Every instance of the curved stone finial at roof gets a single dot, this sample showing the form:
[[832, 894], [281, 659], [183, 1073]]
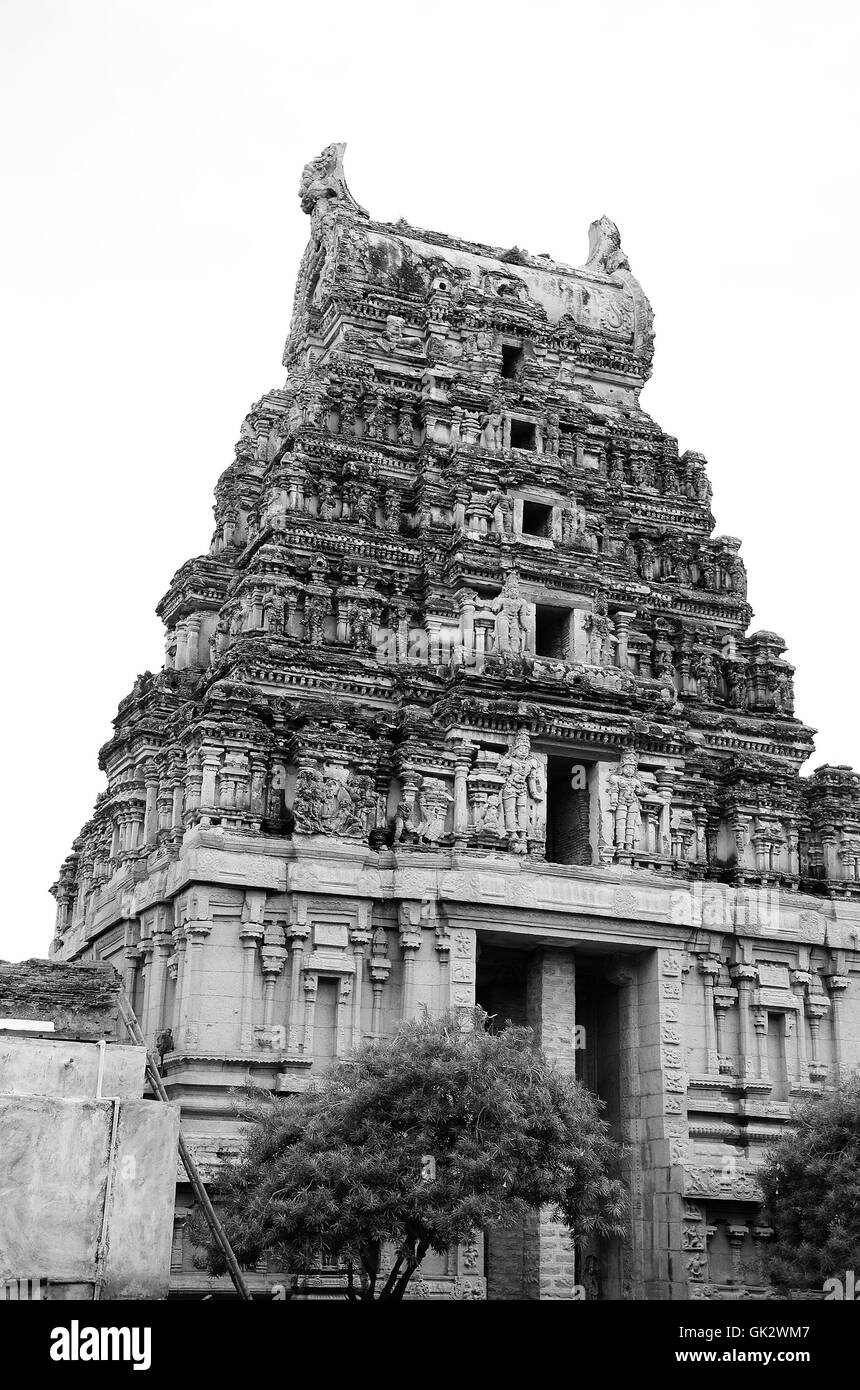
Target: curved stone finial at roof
[[323, 178], [604, 248]]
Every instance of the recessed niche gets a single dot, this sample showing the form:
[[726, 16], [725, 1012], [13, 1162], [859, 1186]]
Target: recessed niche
[[537, 519], [523, 435], [552, 629], [512, 360]]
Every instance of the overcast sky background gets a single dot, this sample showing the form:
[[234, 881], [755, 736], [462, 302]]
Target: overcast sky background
[[151, 155]]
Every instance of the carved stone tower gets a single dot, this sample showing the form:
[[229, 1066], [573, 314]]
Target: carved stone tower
[[461, 706]]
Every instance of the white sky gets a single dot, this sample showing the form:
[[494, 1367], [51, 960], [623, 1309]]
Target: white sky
[[151, 154]]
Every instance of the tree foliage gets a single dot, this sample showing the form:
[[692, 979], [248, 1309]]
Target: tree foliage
[[811, 1181], [343, 1167]]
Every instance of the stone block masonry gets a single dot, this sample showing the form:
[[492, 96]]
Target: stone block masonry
[[462, 705]]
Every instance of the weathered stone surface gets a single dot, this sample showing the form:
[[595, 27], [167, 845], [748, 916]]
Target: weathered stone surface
[[461, 704], [80, 1000], [68, 1069], [54, 1190]]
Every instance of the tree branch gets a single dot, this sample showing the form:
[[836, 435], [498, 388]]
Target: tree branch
[[392, 1278]]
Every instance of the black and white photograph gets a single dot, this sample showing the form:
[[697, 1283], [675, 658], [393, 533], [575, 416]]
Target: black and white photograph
[[432, 831]]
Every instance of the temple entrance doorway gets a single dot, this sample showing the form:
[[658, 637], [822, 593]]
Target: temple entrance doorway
[[568, 998]]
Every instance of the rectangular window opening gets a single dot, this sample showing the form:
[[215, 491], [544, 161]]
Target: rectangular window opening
[[512, 360], [537, 519], [567, 812], [523, 435], [552, 628]]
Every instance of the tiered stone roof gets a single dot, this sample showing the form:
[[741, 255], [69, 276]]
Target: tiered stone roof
[[451, 548]]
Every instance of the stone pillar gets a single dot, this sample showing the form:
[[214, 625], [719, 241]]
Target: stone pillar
[[379, 969], [194, 787], [461, 799], [250, 935], [665, 777], [343, 1023], [272, 958], [816, 1008], [162, 947], [737, 1236], [297, 934], [433, 627], [410, 945], [359, 938], [724, 999], [709, 969], [744, 976], [197, 928], [485, 623], [800, 980], [135, 810], [622, 630], [310, 985], [192, 661], [466, 599], [627, 1281], [164, 802], [760, 1025], [211, 760], [837, 984], [181, 659], [146, 947], [665, 1134], [177, 800], [131, 965], [548, 1254], [180, 946], [150, 815]]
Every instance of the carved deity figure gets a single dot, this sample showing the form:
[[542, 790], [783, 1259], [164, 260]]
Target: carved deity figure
[[664, 667], [574, 521], [275, 609], [317, 608], [376, 417], [362, 626], [706, 676], [736, 683], [392, 510], [491, 422], [325, 804], [491, 821], [736, 576], [364, 509], [429, 810], [625, 792], [510, 609], [495, 500], [394, 326], [600, 633], [400, 820], [553, 433], [522, 785], [645, 552], [326, 500]]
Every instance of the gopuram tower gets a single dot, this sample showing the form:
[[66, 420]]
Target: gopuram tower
[[461, 706]]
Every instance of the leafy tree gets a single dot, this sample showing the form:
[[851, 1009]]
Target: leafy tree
[[811, 1181], [414, 1144]]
